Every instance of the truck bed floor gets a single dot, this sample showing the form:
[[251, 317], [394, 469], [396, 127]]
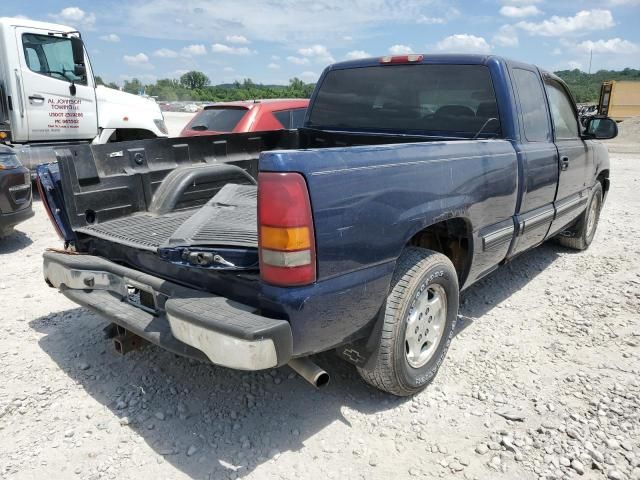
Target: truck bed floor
[[228, 219]]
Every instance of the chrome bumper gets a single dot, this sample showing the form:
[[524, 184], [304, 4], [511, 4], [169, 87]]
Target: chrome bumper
[[183, 320]]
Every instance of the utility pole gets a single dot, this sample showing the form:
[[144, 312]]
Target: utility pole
[[590, 58]]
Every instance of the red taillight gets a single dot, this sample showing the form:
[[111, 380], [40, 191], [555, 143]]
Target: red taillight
[[396, 59], [285, 230]]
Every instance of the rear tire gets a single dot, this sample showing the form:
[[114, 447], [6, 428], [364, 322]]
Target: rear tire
[[418, 325], [581, 235], [6, 232]]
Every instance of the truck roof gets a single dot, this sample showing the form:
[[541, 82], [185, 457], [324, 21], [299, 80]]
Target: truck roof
[[25, 22], [276, 103], [435, 58], [443, 59]]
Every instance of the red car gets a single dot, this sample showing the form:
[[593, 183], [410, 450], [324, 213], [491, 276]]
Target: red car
[[247, 116]]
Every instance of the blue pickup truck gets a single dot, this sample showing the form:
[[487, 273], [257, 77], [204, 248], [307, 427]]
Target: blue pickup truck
[[413, 177]]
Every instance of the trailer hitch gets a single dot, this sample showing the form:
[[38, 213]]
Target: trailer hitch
[[124, 341]]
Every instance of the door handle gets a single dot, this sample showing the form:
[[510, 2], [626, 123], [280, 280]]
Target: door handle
[[36, 99], [19, 90], [564, 163]]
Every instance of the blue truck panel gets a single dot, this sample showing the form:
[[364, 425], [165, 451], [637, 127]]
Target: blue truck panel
[[408, 187]]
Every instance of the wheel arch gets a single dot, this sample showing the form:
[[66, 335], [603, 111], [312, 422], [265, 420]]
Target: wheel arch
[[603, 178], [453, 238]]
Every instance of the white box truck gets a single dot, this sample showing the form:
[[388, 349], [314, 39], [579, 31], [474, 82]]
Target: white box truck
[[48, 95]]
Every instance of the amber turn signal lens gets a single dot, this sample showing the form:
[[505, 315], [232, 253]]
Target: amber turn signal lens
[[285, 238]]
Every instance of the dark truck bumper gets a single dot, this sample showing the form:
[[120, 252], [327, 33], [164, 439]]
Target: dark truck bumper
[[15, 197], [183, 320], [9, 220]]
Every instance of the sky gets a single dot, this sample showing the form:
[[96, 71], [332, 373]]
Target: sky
[[271, 41]]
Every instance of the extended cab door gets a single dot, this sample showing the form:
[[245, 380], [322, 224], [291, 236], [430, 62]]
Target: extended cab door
[[574, 160], [59, 104], [537, 157]]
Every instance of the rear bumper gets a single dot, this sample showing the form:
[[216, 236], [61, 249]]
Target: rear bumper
[[8, 220], [183, 320]]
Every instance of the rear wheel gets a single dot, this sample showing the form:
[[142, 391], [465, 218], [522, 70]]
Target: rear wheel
[[418, 325], [5, 232], [581, 235]]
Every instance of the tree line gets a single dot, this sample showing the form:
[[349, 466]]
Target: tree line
[[195, 86], [585, 87]]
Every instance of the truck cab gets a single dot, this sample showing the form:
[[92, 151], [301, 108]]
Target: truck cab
[[48, 92]]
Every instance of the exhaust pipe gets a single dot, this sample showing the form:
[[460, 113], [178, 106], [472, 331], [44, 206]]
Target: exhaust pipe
[[311, 372]]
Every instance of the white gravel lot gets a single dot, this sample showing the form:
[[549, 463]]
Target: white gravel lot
[[551, 341], [176, 121]]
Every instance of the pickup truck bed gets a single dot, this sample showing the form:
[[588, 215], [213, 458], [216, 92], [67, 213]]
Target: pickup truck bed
[[228, 219]]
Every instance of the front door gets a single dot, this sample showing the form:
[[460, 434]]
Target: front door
[[55, 112], [574, 160]]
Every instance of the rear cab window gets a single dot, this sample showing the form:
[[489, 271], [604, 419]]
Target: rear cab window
[[218, 119], [451, 99]]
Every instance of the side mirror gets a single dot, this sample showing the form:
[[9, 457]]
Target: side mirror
[[601, 128], [78, 50]]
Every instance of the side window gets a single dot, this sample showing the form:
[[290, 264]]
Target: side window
[[51, 56], [297, 117], [33, 62], [532, 104], [284, 117], [565, 122]]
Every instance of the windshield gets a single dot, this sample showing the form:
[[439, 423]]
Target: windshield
[[455, 99], [218, 119], [51, 56]]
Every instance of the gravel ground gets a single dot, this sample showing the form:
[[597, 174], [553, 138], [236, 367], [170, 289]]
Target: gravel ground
[[542, 381], [176, 121]]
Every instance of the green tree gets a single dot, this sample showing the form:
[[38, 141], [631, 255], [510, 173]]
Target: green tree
[[132, 86], [296, 84], [169, 89], [194, 79], [99, 81], [585, 87]]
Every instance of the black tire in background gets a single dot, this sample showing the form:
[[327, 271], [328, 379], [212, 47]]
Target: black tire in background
[[410, 348]]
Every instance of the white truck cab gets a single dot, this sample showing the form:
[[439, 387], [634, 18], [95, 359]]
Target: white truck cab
[[48, 93]]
